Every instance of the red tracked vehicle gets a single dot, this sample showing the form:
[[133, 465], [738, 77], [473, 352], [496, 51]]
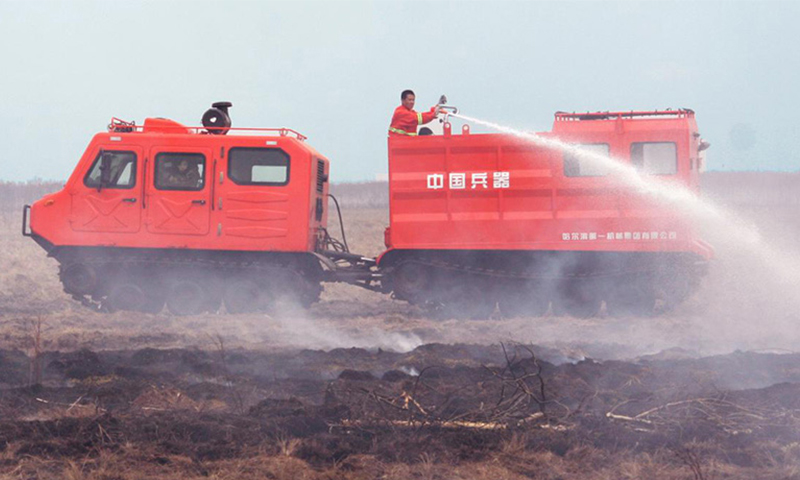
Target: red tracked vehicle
[[199, 216]]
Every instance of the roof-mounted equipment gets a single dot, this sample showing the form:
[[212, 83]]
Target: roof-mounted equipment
[[216, 119]]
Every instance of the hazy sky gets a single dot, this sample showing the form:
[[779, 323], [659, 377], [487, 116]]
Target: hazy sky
[[334, 70]]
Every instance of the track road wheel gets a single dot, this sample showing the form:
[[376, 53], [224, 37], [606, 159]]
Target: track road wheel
[[125, 295], [675, 286], [411, 282], [186, 297], [289, 292], [78, 278], [631, 305], [525, 300], [155, 296], [578, 298], [245, 295], [152, 304], [470, 301], [634, 297]]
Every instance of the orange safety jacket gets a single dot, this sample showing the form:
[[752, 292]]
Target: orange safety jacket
[[405, 121]]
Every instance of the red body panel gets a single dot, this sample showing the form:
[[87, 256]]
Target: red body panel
[[527, 201], [221, 216]]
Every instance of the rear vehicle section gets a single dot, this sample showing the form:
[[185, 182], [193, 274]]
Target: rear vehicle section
[[481, 220]]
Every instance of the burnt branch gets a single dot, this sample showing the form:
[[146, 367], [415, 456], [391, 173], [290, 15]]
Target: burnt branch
[[520, 385]]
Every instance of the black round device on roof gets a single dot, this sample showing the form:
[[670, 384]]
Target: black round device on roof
[[216, 118]]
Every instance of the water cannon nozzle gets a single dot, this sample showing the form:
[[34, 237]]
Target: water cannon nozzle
[[447, 111]]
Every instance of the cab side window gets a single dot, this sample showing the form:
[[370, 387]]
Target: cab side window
[[258, 166], [579, 164], [655, 158], [123, 170], [180, 171]]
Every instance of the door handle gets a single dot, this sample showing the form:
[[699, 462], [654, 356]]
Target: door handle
[[129, 200], [199, 202]]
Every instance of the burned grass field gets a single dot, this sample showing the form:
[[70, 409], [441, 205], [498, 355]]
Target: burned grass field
[[437, 411], [361, 386]]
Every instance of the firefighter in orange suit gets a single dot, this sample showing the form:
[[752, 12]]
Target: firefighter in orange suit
[[405, 120]]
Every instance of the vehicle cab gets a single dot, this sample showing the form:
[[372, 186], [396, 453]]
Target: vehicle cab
[[164, 185]]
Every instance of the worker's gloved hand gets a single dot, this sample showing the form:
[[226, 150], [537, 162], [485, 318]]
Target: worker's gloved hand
[[437, 110]]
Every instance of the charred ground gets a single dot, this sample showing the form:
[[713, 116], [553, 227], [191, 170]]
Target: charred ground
[[437, 411]]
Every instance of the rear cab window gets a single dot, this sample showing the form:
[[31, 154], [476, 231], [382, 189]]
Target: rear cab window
[[180, 171], [123, 170], [258, 166], [655, 158], [578, 164]]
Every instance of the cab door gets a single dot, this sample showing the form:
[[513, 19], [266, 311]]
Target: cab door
[[261, 206], [116, 206], [178, 198]]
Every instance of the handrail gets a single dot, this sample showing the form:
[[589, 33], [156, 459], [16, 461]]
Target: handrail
[[25, 212], [121, 126], [681, 112]]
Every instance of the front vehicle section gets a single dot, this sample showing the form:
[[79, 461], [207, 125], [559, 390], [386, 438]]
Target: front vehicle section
[[193, 218]]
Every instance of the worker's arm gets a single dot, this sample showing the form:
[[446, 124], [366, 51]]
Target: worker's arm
[[426, 117]]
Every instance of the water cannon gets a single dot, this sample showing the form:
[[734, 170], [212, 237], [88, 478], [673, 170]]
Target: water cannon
[[447, 109], [216, 119], [438, 127]]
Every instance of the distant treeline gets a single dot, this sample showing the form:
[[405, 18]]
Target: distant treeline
[[13, 195], [731, 188]]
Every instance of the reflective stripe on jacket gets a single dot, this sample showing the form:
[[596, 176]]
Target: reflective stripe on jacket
[[405, 121], [397, 131]]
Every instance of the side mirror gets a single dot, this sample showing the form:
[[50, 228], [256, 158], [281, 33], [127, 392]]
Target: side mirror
[[105, 170]]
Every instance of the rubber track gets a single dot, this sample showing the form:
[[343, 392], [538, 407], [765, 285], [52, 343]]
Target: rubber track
[[123, 263]]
